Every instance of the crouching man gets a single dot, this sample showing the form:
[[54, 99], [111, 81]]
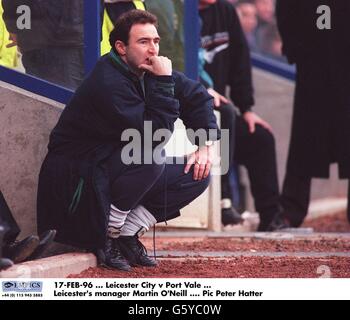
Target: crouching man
[[89, 191]]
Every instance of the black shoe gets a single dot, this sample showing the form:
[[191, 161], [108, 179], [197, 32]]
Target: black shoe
[[230, 216], [113, 256], [135, 251], [46, 240], [278, 223], [5, 263], [19, 251]]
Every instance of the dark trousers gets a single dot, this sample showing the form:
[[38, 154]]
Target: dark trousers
[[163, 189], [7, 220], [295, 198], [257, 152]]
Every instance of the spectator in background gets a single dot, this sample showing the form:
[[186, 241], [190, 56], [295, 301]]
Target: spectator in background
[[265, 11], [271, 43], [53, 48], [321, 115], [170, 19], [228, 64], [8, 53], [266, 15], [112, 9], [259, 26], [247, 14]]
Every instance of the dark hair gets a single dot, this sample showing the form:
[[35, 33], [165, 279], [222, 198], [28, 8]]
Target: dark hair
[[124, 23]]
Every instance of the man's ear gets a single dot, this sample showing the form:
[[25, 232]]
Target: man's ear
[[120, 47]]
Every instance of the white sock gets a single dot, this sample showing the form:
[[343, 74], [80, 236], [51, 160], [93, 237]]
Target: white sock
[[116, 221], [138, 221], [226, 203]]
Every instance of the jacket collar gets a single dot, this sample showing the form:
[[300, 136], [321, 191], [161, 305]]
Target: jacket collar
[[122, 66]]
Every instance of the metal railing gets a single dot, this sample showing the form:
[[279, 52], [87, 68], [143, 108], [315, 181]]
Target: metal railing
[[281, 69]]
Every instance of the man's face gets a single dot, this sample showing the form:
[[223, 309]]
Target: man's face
[[143, 44], [265, 9], [247, 15]]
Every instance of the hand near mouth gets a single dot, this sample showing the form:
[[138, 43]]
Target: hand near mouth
[[158, 65]]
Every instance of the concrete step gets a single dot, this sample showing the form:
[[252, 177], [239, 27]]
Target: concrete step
[[59, 266]]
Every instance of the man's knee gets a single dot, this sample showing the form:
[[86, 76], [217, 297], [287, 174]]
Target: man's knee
[[196, 187], [263, 138], [153, 171], [203, 184], [143, 174]]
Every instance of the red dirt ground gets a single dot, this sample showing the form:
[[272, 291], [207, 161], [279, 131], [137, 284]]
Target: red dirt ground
[[240, 267], [249, 245], [331, 223], [246, 267]]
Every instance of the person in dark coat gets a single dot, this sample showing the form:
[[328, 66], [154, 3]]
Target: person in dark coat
[[99, 193], [227, 61], [53, 47], [316, 39]]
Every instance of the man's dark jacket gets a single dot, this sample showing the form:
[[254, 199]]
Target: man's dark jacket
[[321, 119], [74, 192]]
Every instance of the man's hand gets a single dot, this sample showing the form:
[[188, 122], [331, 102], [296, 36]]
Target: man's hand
[[159, 66], [253, 119], [202, 160], [218, 98], [13, 38]]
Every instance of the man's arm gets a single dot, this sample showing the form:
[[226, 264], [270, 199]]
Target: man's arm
[[240, 80], [196, 107], [197, 113], [124, 106]]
